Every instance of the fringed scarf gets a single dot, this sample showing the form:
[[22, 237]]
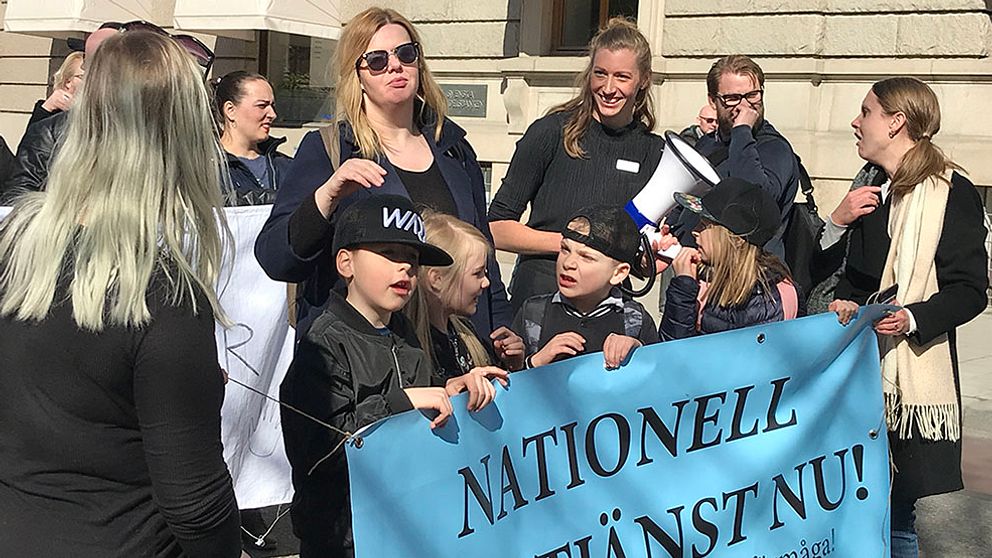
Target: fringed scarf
[[918, 380]]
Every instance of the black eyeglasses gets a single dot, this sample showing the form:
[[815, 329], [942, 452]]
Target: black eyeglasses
[[377, 60], [733, 99], [199, 51]]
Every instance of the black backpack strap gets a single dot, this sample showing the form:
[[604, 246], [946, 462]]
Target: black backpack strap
[[805, 184]]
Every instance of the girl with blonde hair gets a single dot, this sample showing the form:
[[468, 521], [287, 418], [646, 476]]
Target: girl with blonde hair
[[596, 146], [392, 136], [444, 300], [730, 281], [107, 307], [917, 229]]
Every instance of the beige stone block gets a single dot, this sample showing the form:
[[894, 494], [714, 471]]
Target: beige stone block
[[962, 110], [876, 6], [677, 103], [758, 35], [874, 35], [28, 71], [753, 7], [12, 126], [944, 35], [15, 44], [466, 40], [439, 10], [20, 98]]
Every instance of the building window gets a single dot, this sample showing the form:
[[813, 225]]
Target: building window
[[576, 21], [299, 69]]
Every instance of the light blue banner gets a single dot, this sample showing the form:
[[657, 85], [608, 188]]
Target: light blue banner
[[766, 442]]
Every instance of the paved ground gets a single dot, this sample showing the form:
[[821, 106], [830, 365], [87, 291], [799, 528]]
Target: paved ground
[[957, 525]]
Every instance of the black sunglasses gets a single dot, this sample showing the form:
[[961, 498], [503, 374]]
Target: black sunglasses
[[199, 51], [377, 60]]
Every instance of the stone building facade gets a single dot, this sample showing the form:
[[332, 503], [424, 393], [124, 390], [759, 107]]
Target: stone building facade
[[505, 62]]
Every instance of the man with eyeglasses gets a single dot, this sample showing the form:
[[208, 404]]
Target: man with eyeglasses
[[745, 145]]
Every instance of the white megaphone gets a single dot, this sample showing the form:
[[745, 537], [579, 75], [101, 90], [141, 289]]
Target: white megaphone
[[682, 169]]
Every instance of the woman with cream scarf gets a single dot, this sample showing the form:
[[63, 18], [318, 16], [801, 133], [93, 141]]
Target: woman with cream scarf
[[921, 229]]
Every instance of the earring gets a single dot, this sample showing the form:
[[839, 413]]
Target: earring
[[892, 134]]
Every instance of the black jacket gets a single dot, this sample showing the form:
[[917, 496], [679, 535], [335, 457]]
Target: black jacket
[[923, 467], [682, 311], [349, 375], [246, 188], [7, 162], [294, 245], [34, 155]]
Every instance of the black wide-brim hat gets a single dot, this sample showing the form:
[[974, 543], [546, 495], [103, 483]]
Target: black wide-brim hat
[[740, 206], [386, 219]]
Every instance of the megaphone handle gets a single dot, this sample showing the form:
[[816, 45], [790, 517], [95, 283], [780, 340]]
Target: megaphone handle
[[667, 253]]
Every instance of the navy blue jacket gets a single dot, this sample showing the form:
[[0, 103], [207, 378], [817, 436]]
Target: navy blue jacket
[[761, 156], [246, 188], [682, 311], [317, 271]]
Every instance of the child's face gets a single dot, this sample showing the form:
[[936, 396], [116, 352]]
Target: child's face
[[383, 276], [463, 296], [704, 234], [585, 272]]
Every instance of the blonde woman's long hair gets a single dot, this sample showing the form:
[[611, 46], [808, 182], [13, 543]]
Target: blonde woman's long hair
[[918, 102], [619, 33], [736, 267], [350, 97], [134, 191], [461, 240]]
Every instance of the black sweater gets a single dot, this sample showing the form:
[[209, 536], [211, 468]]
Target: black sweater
[[556, 185], [111, 441]]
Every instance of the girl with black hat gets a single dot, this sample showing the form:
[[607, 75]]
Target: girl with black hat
[[730, 281]]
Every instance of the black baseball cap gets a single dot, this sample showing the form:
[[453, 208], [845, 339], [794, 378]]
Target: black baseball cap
[[389, 219], [611, 231], [741, 206]]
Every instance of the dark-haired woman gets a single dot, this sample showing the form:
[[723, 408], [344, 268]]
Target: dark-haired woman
[[597, 147], [245, 107], [922, 230]]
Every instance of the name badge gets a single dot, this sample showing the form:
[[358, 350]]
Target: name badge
[[628, 166]]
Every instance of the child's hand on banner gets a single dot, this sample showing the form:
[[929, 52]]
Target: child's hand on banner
[[431, 399], [477, 382], [568, 343], [509, 347], [617, 348]]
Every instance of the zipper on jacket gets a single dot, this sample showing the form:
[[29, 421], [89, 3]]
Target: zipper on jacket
[[396, 360]]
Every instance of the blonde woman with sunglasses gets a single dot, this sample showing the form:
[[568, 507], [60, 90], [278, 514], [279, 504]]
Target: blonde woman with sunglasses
[[392, 136]]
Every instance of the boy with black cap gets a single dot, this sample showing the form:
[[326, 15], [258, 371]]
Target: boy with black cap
[[355, 366], [591, 311], [730, 281]]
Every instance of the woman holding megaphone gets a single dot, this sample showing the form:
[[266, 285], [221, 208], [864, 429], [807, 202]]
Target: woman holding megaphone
[[596, 147]]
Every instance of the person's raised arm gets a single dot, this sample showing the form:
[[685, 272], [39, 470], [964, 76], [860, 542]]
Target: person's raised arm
[[300, 227]]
